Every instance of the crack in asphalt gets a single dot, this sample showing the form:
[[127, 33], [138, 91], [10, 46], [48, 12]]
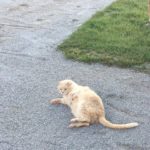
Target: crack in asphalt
[[25, 55]]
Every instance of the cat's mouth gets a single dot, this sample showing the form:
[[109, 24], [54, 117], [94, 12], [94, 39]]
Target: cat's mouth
[[65, 93], [62, 92]]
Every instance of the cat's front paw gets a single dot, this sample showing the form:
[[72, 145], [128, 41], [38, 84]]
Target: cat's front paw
[[74, 96], [55, 101]]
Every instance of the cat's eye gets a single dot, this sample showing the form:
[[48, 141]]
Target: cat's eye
[[65, 89]]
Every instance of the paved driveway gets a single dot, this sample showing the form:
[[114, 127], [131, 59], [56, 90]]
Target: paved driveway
[[30, 68]]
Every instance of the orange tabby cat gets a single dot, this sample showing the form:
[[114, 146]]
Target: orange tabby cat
[[86, 106]]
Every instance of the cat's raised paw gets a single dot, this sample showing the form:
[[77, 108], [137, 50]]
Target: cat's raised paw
[[74, 96]]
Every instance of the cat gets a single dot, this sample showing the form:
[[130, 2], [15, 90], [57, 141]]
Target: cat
[[86, 106]]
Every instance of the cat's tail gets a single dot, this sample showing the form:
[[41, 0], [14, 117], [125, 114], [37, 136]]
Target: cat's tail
[[108, 124]]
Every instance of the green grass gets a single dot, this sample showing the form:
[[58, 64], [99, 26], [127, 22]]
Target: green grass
[[117, 36]]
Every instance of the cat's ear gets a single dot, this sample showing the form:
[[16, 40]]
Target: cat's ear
[[68, 83]]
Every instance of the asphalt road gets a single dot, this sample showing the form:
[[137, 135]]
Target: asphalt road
[[30, 68]]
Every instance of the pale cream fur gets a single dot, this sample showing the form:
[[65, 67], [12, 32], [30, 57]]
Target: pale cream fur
[[86, 106]]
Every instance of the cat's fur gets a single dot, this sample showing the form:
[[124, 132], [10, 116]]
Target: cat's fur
[[86, 106]]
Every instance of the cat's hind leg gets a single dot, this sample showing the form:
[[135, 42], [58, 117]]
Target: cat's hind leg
[[79, 120], [79, 124]]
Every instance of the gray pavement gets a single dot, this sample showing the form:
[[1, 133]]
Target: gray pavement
[[30, 68]]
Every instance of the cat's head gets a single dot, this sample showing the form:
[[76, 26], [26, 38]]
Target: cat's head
[[65, 86]]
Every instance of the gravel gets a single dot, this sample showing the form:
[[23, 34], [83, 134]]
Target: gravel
[[30, 68]]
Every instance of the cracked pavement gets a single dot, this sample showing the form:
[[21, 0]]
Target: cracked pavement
[[30, 68]]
